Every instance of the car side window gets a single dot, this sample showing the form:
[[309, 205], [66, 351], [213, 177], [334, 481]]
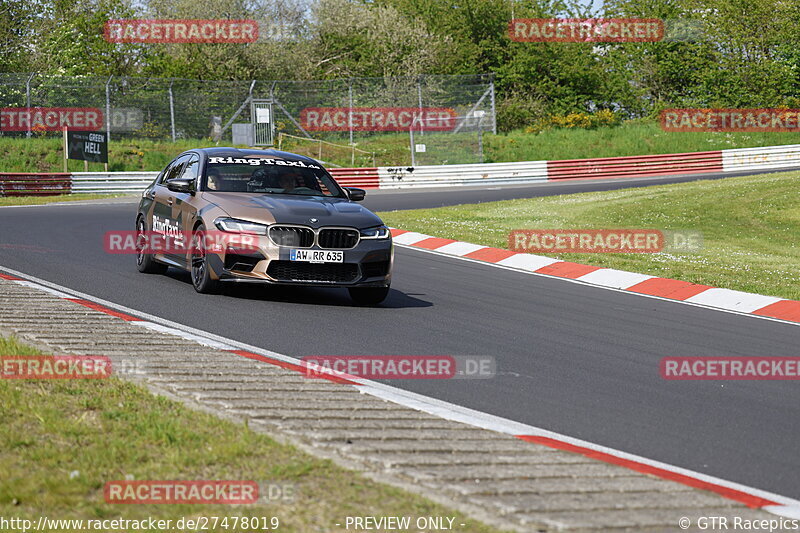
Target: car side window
[[161, 177], [192, 168], [174, 169]]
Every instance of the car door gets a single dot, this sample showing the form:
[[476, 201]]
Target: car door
[[185, 205], [149, 196], [166, 218]]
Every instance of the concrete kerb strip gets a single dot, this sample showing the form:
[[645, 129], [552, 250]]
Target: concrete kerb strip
[[33, 319], [471, 461]]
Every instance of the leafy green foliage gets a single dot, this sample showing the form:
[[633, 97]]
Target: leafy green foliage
[[732, 53]]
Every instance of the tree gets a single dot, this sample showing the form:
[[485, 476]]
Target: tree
[[16, 33], [69, 39], [352, 39]]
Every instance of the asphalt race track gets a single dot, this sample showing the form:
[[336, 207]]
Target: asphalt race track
[[574, 359]]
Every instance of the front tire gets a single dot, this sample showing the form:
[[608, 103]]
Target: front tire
[[201, 271], [368, 295], [144, 261]]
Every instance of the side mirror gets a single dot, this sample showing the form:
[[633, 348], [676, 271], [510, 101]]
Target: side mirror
[[181, 185], [355, 194]]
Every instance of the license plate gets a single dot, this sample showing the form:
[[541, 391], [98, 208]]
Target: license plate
[[316, 256]]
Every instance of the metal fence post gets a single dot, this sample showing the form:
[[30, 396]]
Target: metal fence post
[[171, 110], [480, 137], [350, 108], [419, 95], [494, 113], [411, 145], [252, 118], [28, 99], [108, 109]]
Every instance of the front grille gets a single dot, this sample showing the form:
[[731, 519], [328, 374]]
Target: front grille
[[291, 236], [320, 272], [337, 238]]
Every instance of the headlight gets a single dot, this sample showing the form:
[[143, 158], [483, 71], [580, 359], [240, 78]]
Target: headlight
[[378, 232], [233, 225]]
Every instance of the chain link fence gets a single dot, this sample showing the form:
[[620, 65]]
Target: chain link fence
[[462, 145], [377, 114]]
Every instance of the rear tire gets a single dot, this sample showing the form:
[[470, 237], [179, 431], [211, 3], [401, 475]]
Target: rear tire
[[368, 295], [201, 271], [144, 261]]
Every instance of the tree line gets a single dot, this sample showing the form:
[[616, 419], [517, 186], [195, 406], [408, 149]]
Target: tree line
[[747, 54]]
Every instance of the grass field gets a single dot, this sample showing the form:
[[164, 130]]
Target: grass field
[[750, 228], [62, 440], [46, 154], [632, 138]]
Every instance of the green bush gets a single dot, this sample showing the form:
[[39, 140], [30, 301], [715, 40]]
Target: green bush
[[517, 111], [604, 118]]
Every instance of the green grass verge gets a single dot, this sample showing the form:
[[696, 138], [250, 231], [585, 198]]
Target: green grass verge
[[46, 154], [750, 227], [631, 138], [40, 200], [62, 440], [43, 154]]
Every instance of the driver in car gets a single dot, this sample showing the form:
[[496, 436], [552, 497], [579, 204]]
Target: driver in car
[[288, 181], [215, 181]]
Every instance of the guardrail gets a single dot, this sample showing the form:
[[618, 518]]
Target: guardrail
[[767, 157], [443, 175], [111, 182], [632, 166], [34, 184], [740, 159], [135, 182], [366, 178]]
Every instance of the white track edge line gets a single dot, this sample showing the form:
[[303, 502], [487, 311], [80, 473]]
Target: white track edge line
[[434, 406]]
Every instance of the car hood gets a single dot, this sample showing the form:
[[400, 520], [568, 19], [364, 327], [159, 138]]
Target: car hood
[[287, 209]]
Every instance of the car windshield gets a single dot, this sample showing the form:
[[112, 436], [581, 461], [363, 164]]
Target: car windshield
[[270, 176]]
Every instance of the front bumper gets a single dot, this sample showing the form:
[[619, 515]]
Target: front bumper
[[368, 264]]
